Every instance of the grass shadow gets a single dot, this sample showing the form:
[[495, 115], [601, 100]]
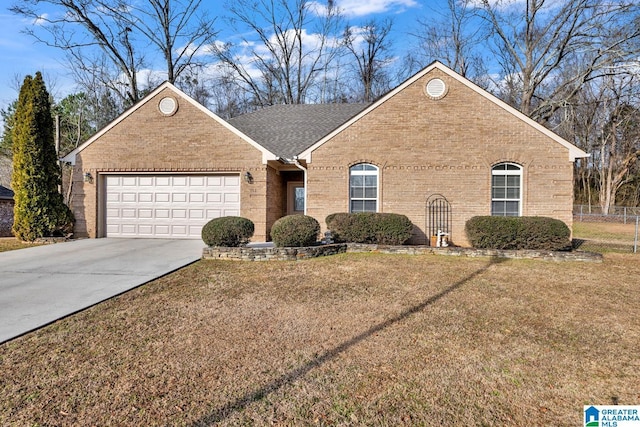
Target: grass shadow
[[223, 412]]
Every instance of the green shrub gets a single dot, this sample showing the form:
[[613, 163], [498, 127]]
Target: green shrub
[[295, 231], [370, 227], [498, 232], [227, 231], [39, 209]]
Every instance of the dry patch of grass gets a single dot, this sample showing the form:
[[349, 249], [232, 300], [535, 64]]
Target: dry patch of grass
[[605, 232], [355, 339], [12, 244], [604, 237]]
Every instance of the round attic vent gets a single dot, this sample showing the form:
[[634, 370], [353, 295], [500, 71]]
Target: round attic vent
[[436, 88], [168, 106]]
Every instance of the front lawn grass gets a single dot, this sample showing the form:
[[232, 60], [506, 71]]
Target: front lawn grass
[[354, 339], [12, 244]]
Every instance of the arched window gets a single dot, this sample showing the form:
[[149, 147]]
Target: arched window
[[506, 190], [363, 188]]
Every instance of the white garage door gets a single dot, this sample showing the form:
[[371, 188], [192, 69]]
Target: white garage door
[[168, 206]]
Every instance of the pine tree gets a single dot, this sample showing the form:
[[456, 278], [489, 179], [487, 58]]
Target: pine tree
[[39, 209]]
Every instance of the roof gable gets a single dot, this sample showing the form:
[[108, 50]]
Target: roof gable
[[286, 130], [266, 154], [573, 151]]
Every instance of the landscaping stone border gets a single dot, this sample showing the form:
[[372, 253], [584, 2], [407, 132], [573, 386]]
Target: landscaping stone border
[[293, 254], [472, 252], [272, 254]]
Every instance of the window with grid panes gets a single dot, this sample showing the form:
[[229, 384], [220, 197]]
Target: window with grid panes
[[363, 188], [506, 190]]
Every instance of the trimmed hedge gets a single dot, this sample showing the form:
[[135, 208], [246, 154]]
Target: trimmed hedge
[[499, 232], [370, 227], [230, 231], [295, 231]]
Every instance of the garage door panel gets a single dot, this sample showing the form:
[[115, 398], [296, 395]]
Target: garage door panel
[[128, 229], [145, 213], [113, 213], [180, 181], [197, 181], [163, 181], [168, 206], [214, 197], [213, 213], [232, 181], [144, 198], [231, 198], [196, 213], [179, 230], [178, 213], [128, 197], [128, 213], [163, 197], [162, 213], [162, 230], [196, 197], [128, 181], [146, 181]]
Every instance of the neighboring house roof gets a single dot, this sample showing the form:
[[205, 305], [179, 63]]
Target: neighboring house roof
[[287, 130], [266, 154], [6, 167], [5, 193], [574, 152]]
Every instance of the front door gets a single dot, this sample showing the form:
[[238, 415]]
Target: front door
[[295, 198]]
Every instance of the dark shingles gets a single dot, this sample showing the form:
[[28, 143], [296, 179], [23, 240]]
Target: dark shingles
[[5, 193], [287, 130]]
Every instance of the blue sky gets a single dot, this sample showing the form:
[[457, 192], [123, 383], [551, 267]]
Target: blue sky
[[20, 54]]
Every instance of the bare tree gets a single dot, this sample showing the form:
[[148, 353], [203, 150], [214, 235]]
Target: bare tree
[[532, 41], [369, 46], [619, 151], [277, 60], [603, 118], [122, 31], [452, 37]]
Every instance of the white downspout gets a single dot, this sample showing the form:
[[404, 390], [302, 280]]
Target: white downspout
[[304, 172]]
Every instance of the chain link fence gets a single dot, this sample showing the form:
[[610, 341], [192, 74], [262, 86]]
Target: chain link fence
[[614, 231]]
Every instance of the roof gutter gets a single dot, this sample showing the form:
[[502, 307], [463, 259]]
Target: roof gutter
[[304, 172]]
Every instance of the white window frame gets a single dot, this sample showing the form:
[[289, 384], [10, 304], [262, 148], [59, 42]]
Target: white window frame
[[373, 172], [507, 172]]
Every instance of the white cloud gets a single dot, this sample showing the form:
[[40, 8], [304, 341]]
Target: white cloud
[[355, 8]]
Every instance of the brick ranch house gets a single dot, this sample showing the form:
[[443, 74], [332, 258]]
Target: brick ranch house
[[437, 148]]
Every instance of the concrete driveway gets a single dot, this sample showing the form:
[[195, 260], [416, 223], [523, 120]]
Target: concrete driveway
[[42, 284]]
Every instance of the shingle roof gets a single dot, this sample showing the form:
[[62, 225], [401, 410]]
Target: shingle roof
[[5, 193], [287, 130]]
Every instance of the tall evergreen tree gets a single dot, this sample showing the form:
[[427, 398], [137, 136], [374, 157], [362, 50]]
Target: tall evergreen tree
[[39, 209]]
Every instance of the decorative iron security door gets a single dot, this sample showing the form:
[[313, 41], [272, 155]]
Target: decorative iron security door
[[438, 220]]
